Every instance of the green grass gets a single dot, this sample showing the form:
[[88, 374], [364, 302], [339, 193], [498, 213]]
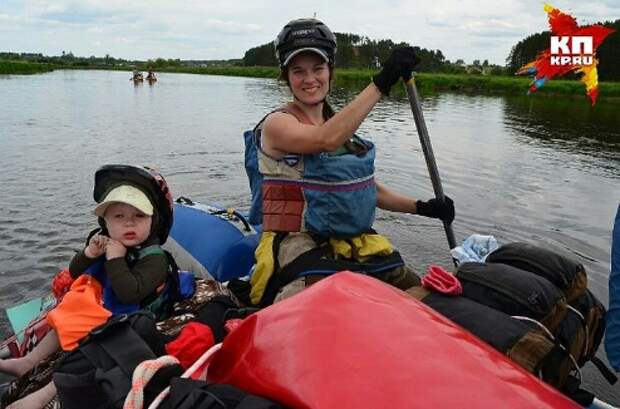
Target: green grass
[[482, 84], [19, 67], [465, 83], [359, 78], [256, 72]]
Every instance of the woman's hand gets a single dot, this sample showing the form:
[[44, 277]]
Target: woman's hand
[[96, 246], [114, 249], [435, 208], [400, 64]]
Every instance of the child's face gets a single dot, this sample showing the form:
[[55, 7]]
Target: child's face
[[127, 224]]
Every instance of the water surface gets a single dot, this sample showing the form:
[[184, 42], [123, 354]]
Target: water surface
[[521, 168]]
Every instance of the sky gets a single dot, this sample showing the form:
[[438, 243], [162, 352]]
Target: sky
[[225, 29]]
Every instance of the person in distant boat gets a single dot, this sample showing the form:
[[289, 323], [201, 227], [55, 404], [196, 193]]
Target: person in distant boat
[[612, 332], [137, 75], [151, 75], [124, 256], [312, 178]]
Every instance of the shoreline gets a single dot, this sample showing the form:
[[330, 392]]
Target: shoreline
[[350, 77], [24, 68]]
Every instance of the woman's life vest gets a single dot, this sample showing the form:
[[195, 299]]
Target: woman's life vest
[[332, 194], [317, 212]]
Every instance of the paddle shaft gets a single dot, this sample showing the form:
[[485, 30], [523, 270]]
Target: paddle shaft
[[416, 109]]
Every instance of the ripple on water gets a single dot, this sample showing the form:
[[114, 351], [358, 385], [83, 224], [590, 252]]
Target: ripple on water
[[53, 258], [503, 160]]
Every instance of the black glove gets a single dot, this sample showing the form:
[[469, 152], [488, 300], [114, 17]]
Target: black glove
[[399, 64], [437, 209]]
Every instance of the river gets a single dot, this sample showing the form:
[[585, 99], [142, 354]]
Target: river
[[529, 168]]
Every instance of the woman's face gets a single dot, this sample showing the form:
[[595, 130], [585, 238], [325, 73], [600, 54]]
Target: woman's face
[[308, 77]]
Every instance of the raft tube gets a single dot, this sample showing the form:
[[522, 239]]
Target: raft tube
[[211, 240]]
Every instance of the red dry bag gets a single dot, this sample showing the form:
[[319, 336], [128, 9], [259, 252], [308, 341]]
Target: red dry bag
[[351, 341]]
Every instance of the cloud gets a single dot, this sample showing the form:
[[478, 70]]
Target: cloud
[[222, 29], [590, 13], [493, 28], [232, 27]]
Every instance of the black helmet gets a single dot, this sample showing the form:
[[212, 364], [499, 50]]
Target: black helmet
[[148, 180], [305, 34]]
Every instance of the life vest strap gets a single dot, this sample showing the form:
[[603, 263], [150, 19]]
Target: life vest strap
[[320, 261]]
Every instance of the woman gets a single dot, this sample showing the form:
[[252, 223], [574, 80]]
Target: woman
[[312, 178]]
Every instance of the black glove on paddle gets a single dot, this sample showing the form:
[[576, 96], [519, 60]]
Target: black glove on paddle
[[437, 209], [399, 64]]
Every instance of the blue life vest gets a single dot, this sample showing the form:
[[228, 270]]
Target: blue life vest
[[113, 304], [330, 195]]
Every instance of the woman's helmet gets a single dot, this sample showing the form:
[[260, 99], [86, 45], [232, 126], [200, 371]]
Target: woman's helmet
[[305, 34], [148, 180]]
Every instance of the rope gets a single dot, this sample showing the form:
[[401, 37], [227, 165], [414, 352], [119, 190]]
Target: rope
[[141, 376], [204, 358], [586, 345], [559, 344]]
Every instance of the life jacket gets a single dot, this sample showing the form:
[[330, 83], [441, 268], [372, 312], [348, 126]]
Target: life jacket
[[311, 192], [159, 303]]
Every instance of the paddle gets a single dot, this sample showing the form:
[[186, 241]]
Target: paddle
[[416, 109]]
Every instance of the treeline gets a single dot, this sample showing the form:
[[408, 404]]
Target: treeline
[[68, 60], [355, 51], [23, 67], [608, 53]]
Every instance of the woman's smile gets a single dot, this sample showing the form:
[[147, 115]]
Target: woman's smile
[[311, 89]]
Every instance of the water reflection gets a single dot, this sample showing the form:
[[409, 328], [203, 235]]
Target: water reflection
[[567, 124], [521, 168]]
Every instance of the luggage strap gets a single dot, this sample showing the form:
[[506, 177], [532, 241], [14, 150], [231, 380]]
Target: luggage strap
[[611, 377]]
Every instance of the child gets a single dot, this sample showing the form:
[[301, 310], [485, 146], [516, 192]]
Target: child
[[135, 264], [124, 256]]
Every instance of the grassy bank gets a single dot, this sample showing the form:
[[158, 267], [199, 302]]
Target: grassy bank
[[485, 84], [256, 72], [426, 81], [18, 67]]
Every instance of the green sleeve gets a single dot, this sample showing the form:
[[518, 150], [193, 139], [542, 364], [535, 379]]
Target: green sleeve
[[79, 264], [131, 286]]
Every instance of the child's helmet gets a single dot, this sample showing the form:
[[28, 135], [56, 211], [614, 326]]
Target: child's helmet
[[305, 34], [146, 179]]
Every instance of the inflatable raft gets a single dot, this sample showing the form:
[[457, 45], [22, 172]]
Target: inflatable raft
[[349, 341]]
